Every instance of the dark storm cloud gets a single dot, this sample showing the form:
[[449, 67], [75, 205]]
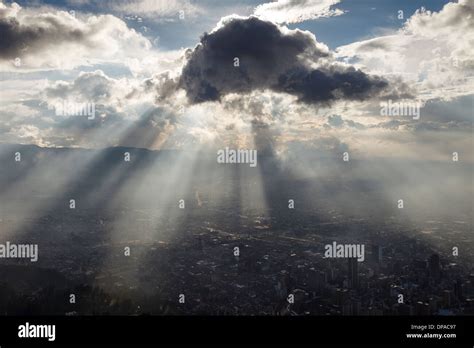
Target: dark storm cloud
[[319, 86], [270, 58], [16, 39]]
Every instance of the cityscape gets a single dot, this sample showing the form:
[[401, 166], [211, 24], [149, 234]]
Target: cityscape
[[216, 257]]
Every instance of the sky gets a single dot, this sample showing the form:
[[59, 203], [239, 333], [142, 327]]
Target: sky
[[329, 76]]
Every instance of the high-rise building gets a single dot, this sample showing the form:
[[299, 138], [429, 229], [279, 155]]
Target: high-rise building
[[377, 254], [434, 266], [447, 296], [353, 273], [317, 280], [458, 290]]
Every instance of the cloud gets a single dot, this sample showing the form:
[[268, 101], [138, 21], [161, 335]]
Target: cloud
[[152, 130], [110, 96], [335, 121], [329, 84], [58, 39], [275, 58], [125, 112], [156, 8], [433, 52], [88, 86], [295, 11], [159, 10]]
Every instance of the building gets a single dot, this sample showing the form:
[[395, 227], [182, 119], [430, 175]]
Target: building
[[434, 267], [353, 273], [377, 254]]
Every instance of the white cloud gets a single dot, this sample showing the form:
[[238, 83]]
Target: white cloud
[[49, 39], [111, 96], [156, 8], [295, 11], [433, 52]]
